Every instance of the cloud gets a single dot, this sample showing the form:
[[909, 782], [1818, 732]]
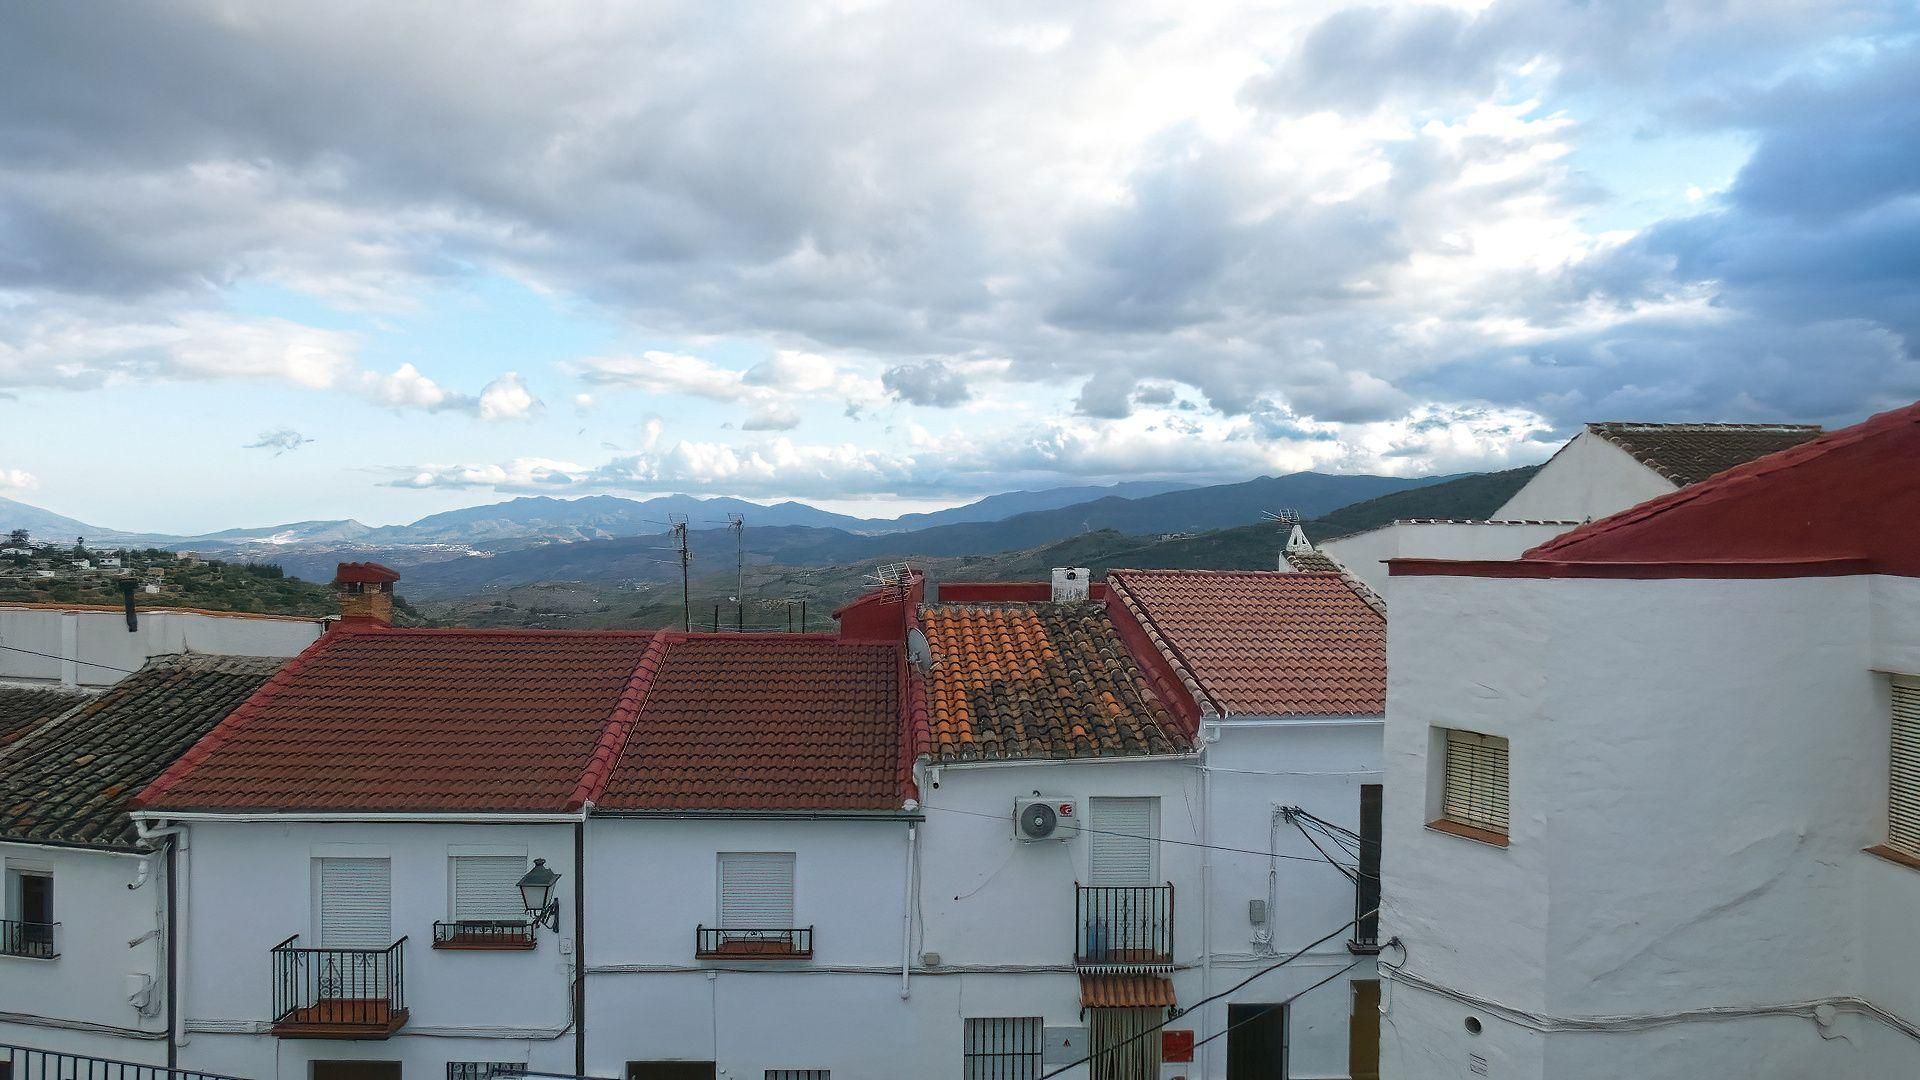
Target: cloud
[[279, 440], [507, 398], [771, 418], [933, 383], [17, 480]]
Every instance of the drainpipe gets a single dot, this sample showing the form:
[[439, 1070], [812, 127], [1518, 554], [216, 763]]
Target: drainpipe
[[580, 942], [906, 906], [173, 941], [1209, 734]]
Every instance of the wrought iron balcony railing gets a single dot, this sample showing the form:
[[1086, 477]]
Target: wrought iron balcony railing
[[34, 939], [1124, 927], [733, 943], [483, 934], [339, 993]]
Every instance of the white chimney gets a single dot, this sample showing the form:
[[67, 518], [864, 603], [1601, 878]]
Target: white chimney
[[1069, 584]]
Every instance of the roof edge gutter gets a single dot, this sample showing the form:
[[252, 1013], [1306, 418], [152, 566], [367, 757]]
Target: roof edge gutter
[[1114, 759], [894, 816], [452, 818]]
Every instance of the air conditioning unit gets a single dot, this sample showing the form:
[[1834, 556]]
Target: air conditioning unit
[[1070, 584], [1045, 817]]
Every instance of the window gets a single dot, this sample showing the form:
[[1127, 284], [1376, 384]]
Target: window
[[1002, 1048], [1474, 783], [1121, 849], [483, 1070], [1903, 784], [798, 1074], [486, 888], [28, 928], [355, 1070], [353, 903], [756, 890]]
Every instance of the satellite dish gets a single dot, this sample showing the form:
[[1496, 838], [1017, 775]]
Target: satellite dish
[[919, 653], [1037, 820]]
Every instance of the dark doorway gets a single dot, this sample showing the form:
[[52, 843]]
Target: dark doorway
[[1256, 1042], [356, 1070], [670, 1070]]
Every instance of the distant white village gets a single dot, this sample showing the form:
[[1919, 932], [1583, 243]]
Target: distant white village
[[1623, 781]]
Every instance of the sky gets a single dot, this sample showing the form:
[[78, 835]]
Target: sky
[[267, 263]]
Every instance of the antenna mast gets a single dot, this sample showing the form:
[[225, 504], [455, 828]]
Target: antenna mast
[[738, 523], [679, 523]]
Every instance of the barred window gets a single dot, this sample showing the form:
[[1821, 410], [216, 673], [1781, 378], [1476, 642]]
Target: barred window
[[483, 1070], [1003, 1048], [799, 1074]]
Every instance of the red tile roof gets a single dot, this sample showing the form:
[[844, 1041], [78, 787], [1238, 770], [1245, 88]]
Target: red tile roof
[[771, 722], [1025, 680], [1852, 494], [1126, 992], [418, 719], [1264, 643]]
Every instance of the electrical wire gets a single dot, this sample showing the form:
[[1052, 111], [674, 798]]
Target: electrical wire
[[1136, 836], [1352, 875], [1203, 1001], [66, 660], [1277, 1005]]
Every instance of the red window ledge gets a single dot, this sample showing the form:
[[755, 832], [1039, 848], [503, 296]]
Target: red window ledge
[[1468, 832], [1894, 855]]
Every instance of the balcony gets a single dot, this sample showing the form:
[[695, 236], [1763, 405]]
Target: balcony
[[33, 940], [730, 943], [1124, 927], [484, 935], [339, 993]]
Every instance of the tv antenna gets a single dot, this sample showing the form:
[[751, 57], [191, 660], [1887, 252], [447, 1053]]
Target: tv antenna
[[1289, 519], [679, 523], [738, 523]]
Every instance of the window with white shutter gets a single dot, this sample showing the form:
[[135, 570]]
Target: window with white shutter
[[353, 903], [1903, 772], [1475, 781], [486, 888], [756, 890], [1121, 847]]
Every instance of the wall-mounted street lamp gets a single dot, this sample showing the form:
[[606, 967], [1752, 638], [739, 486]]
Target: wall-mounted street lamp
[[536, 891]]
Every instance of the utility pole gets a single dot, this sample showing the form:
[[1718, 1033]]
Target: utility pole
[[679, 523], [738, 523]]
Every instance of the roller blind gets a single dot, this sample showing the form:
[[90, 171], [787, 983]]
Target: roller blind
[[1903, 789], [487, 888], [756, 890], [1476, 780], [1121, 849], [355, 904]]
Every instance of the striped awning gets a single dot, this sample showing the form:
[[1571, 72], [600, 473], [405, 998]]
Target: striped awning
[[1125, 992]]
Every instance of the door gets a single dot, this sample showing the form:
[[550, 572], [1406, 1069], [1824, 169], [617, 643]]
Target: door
[[355, 1070], [1125, 918], [36, 915], [1256, 1042], [353, 918], [670, 1070], [1363, 1031]]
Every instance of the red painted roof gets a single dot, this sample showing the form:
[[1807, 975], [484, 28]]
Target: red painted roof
[[764, 722], [1263, 643], [420, 719], [1853, 494], [369, 573], [1126, 992]]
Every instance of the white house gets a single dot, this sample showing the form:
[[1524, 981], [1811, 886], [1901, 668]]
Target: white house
[[83, 914], [1653, 807], [1603, 469], [82, 645]]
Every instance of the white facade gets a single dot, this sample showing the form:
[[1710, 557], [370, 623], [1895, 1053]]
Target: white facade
[[1365, 554], [92, 647], [1588, 478], [103, 994], [1696, 768]]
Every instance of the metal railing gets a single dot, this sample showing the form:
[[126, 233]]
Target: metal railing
[[35, 939], [483, 934], [1124, 926], [733, 943], [29, 1063], [339, 987]]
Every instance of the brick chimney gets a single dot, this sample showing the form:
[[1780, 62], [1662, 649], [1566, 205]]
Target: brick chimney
[[365, 590]]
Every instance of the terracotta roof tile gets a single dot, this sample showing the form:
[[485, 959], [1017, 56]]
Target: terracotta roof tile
[[69, 781], [24, 708], [1037, 680], [774, 722], [1126, 992], [1689, 453], [1264, 643], [417, 719]]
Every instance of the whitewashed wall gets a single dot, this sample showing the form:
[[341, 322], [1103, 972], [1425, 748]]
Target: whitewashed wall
[[78, 1003], [1696, 766], [1364, 554], [251, 887], [101, 638], [1589, 478]]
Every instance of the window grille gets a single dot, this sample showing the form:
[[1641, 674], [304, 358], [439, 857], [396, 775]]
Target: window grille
[[1003, 1048], [798, 1074], [483, 1070], [1903, 785], [1476, 781]]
